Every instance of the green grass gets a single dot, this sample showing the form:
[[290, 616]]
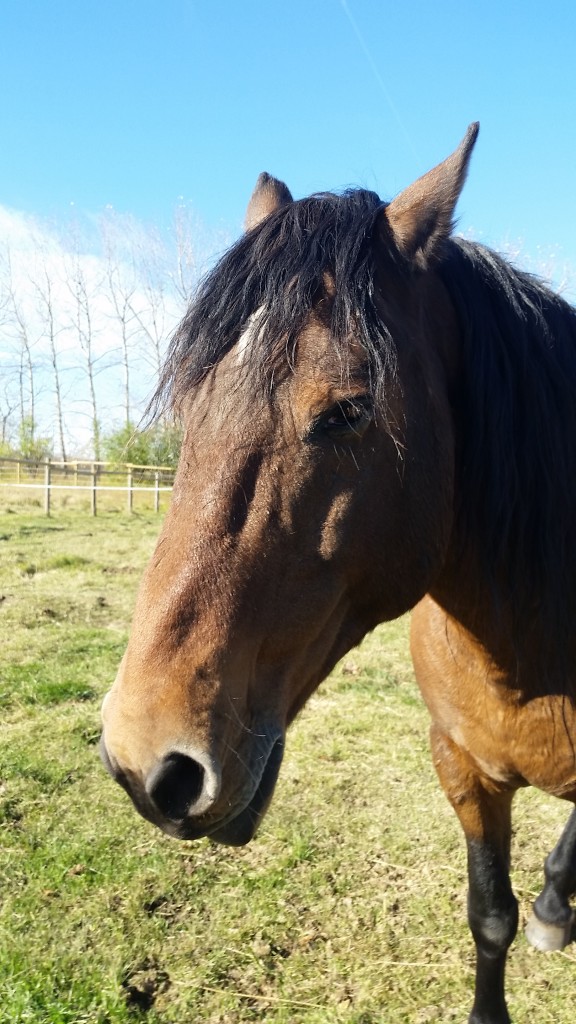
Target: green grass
[[348, 908]]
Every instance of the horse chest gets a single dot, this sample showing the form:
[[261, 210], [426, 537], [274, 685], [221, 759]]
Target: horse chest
[[512, 741]]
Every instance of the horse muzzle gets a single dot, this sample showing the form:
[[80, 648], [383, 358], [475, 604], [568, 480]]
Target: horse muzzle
[[188, 795]]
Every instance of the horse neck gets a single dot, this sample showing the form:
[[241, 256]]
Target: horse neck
[[527, 634], [510, 574]]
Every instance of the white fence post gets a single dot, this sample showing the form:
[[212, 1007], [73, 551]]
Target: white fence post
[[47, 483], [93, 489], [130, 486]]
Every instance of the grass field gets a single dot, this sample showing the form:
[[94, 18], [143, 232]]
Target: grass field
[[348, 908]]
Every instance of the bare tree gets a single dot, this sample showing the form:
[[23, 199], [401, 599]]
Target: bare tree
[[8, 406], [82, 292], [150, 307], [167, 273], [184, 274], [121, 287], [8, 401], [18, 326], [43, 287]]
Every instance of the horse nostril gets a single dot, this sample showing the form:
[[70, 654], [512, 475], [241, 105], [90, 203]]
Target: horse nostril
[[176, 785]]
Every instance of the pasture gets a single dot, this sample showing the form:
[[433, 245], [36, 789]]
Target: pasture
[[348, 907]]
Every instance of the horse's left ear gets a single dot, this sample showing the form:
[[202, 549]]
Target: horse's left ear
[[269, 195], [421, 217]]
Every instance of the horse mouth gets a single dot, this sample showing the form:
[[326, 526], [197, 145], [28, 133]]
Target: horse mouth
[[240, 827]]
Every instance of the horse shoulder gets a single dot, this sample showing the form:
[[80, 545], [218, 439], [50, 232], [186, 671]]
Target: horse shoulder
[[511, 739]]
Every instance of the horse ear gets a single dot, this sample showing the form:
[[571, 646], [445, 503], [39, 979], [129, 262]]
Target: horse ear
[[269, 195], [421, 217]]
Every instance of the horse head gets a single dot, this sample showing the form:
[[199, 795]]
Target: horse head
[[313, 497]]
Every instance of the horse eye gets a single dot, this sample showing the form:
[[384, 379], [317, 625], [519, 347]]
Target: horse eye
[[346, 418]]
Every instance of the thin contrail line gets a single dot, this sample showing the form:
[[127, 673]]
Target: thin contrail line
[[378, 76]]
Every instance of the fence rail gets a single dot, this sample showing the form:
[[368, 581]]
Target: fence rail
[[49, 476]]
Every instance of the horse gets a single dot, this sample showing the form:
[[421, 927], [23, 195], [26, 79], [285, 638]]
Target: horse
[[380, 416]]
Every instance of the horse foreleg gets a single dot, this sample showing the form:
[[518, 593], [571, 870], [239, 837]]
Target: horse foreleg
[[550, 925], [484, 811]]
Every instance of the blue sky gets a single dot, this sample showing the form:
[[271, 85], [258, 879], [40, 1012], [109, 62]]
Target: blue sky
[[135, 103]]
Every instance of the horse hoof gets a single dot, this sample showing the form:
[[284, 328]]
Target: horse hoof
[[548, 937]]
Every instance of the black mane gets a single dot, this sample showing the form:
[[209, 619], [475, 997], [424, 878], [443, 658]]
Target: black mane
[[280, 267], [516, 412]]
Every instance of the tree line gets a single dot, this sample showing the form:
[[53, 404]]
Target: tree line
[[85, 314]]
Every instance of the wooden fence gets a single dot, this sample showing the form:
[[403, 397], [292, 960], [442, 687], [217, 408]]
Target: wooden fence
[[89, 478]]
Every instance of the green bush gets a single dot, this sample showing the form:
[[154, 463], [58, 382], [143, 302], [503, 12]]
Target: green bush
[[158, 445], [30, 446]]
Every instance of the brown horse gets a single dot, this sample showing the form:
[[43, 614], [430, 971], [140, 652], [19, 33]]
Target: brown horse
[[379, 417]]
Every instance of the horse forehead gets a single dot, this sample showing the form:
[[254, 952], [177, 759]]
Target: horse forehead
[[321, 355], [255, 328], [319, 365]]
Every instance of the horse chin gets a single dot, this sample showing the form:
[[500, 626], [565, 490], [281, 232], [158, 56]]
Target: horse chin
[[240, 829]]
